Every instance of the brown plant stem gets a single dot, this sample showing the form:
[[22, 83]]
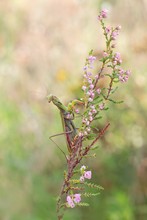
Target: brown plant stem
[[72, 162]]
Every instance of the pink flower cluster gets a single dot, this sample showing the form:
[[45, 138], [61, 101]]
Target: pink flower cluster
[[76, 198], [89, 91], [85, 174], [101, 106], [87, 120], [117, 59], [112, 34], [114, 61], [88, 81], [91, 60], [103, 14], [71, 200], [123, 75]]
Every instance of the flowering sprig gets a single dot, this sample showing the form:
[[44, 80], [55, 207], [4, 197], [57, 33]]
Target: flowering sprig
[[72, 200], [85, 174], [95, 101], [95, 98]]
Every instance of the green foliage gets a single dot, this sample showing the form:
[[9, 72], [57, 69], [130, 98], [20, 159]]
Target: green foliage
[[83, 204], [92, 185], [90, 194], [119, 207], [74, 181], [30, 165]]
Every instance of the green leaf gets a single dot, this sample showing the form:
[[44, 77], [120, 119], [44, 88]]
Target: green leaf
[[114, 90], [82, 204], [91, 52], [115, 102], [92, 185], [90, 194], [105, 109], [75, 181], [97, 118], [95, 147], [91, 136]]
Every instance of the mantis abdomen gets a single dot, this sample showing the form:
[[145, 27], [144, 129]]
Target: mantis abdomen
[[69, 128]]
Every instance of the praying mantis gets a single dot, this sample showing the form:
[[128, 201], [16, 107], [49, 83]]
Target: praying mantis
[[67, 117]]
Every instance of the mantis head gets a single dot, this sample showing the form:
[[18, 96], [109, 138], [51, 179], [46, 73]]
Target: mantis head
[[50, 98], [56, 101]]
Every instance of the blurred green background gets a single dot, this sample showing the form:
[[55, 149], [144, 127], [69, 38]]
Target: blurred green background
[[43, 46]]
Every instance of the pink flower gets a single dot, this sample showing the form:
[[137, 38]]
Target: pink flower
[[123, 75], [87, 174], [123, 78], [87, 122], [98, 91], [107, 29], [114, 35], [80, 134], [118, 27], [70, 202], [90, 99], [89, 74], [104, 13], [92, 95], [105, 54], [101, 106], [92, 106], [82, 178], [91, 86], [89, 81], [117, 55], [77, 111], [84, 88], [77, 198], [128, 72], [121, 71], [114, 62], [88, 129], [90, 118], [91, 59], [83, 167], [85, 133], [99, 17], [85, 68], [84, 120], [117, 58], [96, 76], [90, 113], [94, 111]]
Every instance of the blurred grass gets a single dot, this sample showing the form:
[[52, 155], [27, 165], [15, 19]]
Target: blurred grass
[[43, 47]]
